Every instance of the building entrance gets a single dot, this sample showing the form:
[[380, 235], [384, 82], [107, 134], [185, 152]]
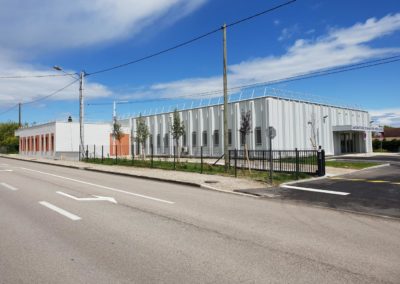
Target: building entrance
[[347, 142]]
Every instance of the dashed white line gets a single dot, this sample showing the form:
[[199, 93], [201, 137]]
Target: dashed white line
[[61, 211], [102, 186], [10, 187], [315, 190]]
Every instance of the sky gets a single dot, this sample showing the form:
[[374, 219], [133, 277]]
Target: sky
[[305, 36]]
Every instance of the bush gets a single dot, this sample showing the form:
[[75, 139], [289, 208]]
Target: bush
[[8, 142], [389, 146]]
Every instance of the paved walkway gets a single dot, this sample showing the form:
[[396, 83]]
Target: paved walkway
[[214, 182]]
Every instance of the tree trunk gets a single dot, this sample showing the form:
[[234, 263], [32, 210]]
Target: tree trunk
[[177, 150], [247, 156]]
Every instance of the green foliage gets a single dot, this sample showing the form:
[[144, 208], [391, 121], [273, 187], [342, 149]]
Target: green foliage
[[178, 128], [117, 132], [387, 145], [8, 142], [142, 132], [350, 165]]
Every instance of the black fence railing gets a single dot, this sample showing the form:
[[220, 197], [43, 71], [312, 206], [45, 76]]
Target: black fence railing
[[287, 161]]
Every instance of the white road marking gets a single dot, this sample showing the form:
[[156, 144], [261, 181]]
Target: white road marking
[[95, 198], [4, 164], [102, 186], [315, 190], [6, 170], [8, 186], [61, 211]]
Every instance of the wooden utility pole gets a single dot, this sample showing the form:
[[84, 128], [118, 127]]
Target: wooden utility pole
[[225, 100]]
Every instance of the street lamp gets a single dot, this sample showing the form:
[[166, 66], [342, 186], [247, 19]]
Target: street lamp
[[79, 76]]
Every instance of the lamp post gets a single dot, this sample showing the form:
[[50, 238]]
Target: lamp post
[[81, 77]]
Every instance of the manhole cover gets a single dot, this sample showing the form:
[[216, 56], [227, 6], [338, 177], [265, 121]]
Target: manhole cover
[[211, 181]]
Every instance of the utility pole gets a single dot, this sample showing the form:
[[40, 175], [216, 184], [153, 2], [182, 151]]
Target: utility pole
[[19, 115], [81, 115], [225, 79]]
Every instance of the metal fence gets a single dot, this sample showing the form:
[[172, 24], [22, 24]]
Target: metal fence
[[287, 161]]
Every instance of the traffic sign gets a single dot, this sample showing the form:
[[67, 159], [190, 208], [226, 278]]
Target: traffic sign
[[271, 132]]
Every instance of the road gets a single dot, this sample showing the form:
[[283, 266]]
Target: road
[[159, 232]]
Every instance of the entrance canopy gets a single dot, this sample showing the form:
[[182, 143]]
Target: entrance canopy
[[357, 128]]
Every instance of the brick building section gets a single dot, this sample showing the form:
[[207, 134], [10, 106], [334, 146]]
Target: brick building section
[[122, 146]]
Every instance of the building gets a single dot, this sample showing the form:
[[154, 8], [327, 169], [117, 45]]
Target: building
[[60, 140], [298, 123]]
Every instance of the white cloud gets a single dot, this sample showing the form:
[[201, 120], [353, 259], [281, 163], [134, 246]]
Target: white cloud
[[288, 33], [31, 28], [339, 47], [48, 24], [390, 117]]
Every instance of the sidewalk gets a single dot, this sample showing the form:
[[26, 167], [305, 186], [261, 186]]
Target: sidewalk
[[213, 182]]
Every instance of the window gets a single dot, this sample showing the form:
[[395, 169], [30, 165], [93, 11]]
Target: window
[[258, 136], [184, 139], [230, 137], [194, 139], [205, 138], [242, 138], [158, 140], [151, 140], [166, 140], [216, 138]]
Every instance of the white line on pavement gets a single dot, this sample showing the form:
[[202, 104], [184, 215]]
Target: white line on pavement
[[102, 186], [61, 211], [316, 190], [8, 186], [95, 198], [6, 170]]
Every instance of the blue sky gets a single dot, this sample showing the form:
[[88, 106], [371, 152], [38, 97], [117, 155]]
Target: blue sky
[[92, 35]]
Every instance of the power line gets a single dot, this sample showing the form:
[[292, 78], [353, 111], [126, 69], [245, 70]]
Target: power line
[[189, 41], [52, 94], [41, 98], [320, 73], [35, 76]]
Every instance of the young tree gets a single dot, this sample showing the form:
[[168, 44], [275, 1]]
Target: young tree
[[245, 129], [8, 142], [177, 130], [142, 132], [117, 134]]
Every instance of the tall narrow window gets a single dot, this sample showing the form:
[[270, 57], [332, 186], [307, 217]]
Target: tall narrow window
[[158, 140], [205, 138], [184, 140], [229, 137], [166, 140], [216, 138], [194, 139], [258, 136]]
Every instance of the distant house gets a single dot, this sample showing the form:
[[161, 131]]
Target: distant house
[[391, 133]]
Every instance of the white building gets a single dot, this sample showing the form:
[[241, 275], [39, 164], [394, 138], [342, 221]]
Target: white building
[[60, 140], [299, 124]]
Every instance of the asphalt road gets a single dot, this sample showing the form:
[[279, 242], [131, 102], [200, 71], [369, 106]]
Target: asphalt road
[[159, 232], [372, 191], [391, 159]]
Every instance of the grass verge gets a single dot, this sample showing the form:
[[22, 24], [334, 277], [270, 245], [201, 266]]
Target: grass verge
[[351, 165], [260, 176]]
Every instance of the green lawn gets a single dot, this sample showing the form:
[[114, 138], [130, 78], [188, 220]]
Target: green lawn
[[350, 164], [262, 176]]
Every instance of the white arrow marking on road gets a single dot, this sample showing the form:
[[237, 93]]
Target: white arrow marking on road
[[6, 170], [8, 186], [96, 197], [101, 186]]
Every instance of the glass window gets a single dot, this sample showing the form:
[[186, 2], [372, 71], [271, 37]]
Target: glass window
[[205, 138], [230, 137], [166, 140], [258, 136], [216, 137], [184, 139], [242, 138], [194, 139], [158, 140]]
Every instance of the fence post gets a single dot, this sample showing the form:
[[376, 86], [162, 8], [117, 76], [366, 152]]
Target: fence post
[[87, 153], [321, 162], [174, 157], [94, 151], [229, 159], [116, 154], [297, 164], [132, 154], [152, 154], [235, 162], [201, 159], [102, 153], [280, 161]]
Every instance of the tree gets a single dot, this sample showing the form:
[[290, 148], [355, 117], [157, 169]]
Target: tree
[[177, 130], [245, 129], [142, 132], [8, 142], [117, 131]]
